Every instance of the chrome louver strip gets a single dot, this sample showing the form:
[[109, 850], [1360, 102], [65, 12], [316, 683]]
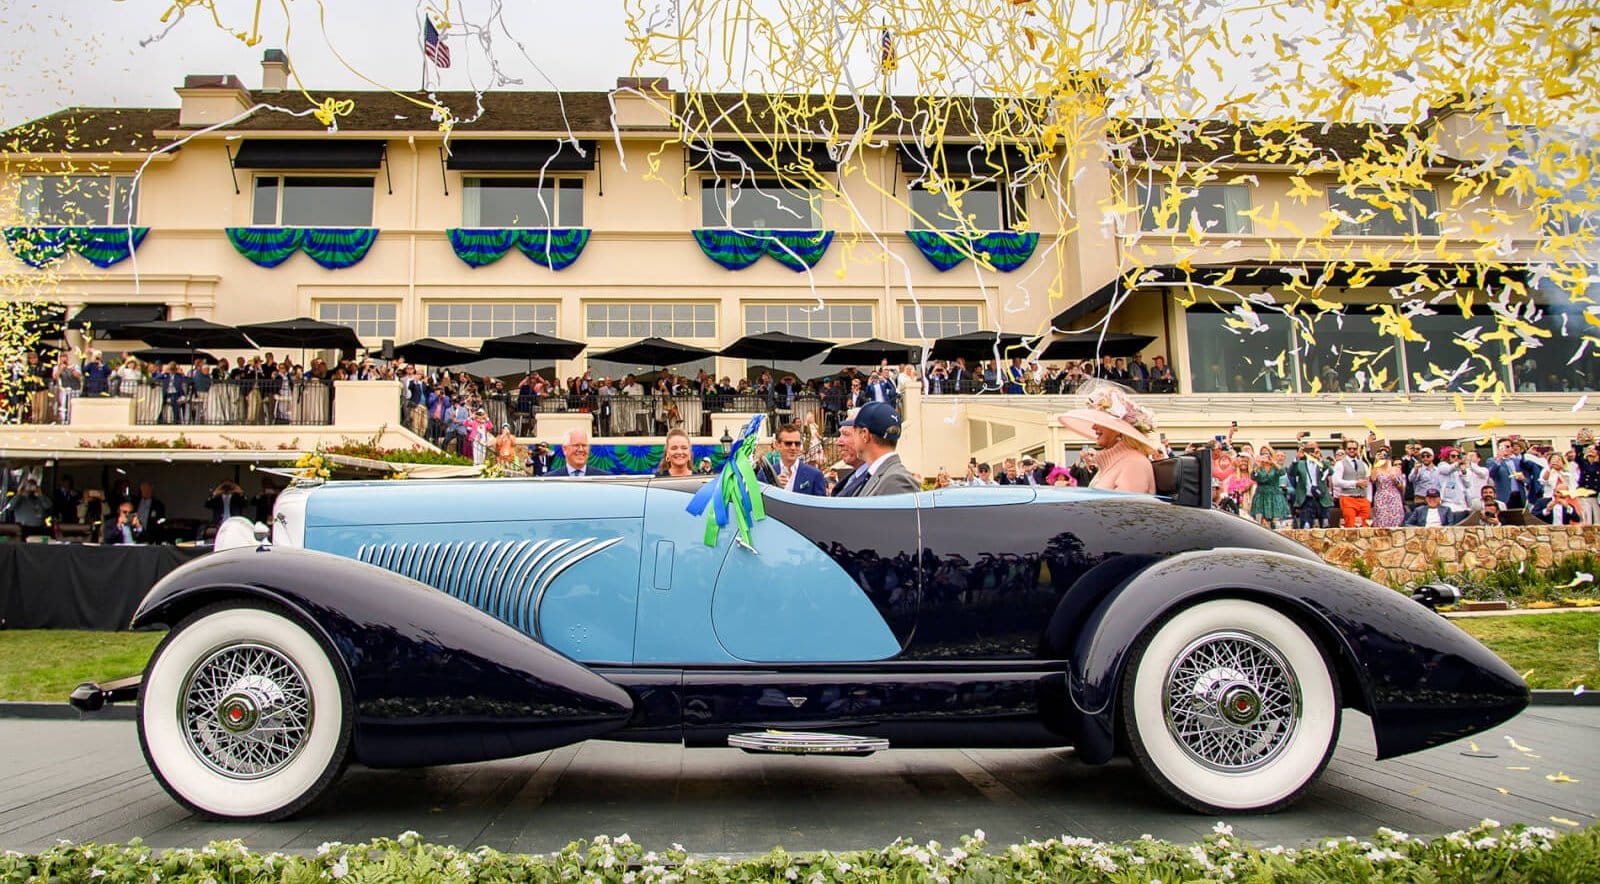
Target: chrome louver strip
[[506, 579]]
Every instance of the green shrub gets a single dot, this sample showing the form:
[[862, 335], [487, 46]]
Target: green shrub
[[1485, 852], [1523, 582]]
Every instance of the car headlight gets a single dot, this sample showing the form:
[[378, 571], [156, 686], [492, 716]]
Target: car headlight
[[289, 517]]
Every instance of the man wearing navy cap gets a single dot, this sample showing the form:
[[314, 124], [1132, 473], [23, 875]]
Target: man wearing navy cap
[[877, 432]]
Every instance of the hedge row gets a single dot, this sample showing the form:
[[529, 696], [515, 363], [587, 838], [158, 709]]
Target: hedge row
[[1486, 852]]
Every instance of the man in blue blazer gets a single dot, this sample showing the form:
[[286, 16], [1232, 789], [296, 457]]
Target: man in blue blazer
[[791, 473], [575, 448]]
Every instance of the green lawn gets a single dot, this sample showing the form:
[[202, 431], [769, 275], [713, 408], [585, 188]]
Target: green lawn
[[1555, 650], [46, 664], [1562, 650]]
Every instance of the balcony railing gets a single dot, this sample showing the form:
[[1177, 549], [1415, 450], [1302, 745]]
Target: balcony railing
[[205, 402]]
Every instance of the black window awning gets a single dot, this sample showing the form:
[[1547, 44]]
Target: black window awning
[[308, 153], [762, 158], [961, 159], [107, 320], [521, 155]]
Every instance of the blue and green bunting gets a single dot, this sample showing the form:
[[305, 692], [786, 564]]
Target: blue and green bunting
[[479, 248], [338, 247], [636, 460], [733, 493], [1005, 250], [797, 250], [332, 247], [554, 247], [101, 246]]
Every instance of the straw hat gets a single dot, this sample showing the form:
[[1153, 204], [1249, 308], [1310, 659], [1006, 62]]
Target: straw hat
[[1111, 406]]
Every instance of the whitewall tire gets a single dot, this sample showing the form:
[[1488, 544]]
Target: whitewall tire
[[244, 714], [1229, 705]]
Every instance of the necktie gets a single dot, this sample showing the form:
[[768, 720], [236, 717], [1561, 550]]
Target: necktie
[[854, 483], [578, 473], [127, 534]]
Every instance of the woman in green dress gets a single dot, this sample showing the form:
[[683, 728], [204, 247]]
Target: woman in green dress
[[1270, 505]]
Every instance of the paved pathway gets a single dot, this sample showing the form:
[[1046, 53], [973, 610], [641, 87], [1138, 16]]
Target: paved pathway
[[87, 781]]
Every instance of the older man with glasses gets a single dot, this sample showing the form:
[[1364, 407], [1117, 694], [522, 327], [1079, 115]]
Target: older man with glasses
[[1425, 477]]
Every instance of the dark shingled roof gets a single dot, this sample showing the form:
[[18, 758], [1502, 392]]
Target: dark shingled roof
[[92, 130], [1256, 142], [386, 111]]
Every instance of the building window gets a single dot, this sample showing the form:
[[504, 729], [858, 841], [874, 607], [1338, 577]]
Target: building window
[[1346, 353], [939, 320], [77, 200], [1442, 346], [490, 320], [831, 322], [1367, 212], [1561, 363], [370, 322], [1214, 208], [760, 204], [651, 320], [982, 206], [522, 202], [297, 201], [1224, 359]]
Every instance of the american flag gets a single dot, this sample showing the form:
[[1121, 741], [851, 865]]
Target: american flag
[[433, 47], [886, 58]]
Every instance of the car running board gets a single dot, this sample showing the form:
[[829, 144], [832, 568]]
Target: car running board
[[807, 743], [91, 697]]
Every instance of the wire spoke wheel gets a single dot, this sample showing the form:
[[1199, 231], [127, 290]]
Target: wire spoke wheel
[[1231, 701], [246, 710], [1230, 705]]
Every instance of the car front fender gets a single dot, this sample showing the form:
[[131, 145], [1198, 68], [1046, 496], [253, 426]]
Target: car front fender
[[1423, 680], [436, 681]]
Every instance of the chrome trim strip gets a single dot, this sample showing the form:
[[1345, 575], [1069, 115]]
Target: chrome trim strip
[[517, 607], [580, 553]]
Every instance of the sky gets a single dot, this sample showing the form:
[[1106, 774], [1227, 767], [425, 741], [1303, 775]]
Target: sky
[[62, 53]]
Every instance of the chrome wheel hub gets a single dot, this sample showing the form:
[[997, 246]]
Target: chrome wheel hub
[[246, 710], [1231, 701]]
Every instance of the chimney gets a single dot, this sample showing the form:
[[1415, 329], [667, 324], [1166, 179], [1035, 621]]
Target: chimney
[[643, 102], [274, 71], [208, 99]]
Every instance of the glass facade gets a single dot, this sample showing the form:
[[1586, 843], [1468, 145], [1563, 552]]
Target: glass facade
[[1366, 212], [77, 200], [938, 320], [830, 322], [482, 321], [1347, 353], [757, 205], [371, 322], [985, 207], [522, 202], [1215, 208], [650, 320], [298, 201]]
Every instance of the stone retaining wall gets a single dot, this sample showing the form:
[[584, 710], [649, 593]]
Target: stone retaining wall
[[1403, 555]]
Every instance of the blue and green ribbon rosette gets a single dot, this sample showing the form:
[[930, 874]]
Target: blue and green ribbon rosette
[[733, 495]]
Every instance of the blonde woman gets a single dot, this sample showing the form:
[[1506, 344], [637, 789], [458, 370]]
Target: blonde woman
[[675, 455], [1388, 491]]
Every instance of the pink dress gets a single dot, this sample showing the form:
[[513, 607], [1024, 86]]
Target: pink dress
[[1124, 468], [1388, 501]]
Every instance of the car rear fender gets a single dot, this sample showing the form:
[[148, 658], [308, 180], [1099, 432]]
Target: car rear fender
[[436, 681], [1423, 681]]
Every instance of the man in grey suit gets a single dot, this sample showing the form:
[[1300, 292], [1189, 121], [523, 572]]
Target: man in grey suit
[[877, 427]]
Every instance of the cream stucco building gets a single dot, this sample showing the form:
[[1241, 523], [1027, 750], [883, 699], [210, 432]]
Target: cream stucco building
[[616, 165]]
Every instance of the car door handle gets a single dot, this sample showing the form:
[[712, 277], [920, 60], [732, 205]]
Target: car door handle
[[664, 550]]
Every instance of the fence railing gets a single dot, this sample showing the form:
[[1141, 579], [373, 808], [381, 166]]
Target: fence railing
[[205, 402], [633, 416]]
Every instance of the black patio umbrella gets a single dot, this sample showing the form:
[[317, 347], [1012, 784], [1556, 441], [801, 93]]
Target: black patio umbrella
[[871, 352], [190, 334], [531, 346], [775, 347], [305, 333], [167, 354], [1091, 345], [657, 352], [978, 345], [431, 351]]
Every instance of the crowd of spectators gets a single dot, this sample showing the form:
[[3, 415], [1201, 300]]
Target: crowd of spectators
[[1368, 482], [125, 512]]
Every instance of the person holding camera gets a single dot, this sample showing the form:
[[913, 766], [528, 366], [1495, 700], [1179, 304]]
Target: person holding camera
[[226, 501], [125, 529], [538, 462]]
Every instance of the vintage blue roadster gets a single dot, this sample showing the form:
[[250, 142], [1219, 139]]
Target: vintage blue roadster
[[420, 623]]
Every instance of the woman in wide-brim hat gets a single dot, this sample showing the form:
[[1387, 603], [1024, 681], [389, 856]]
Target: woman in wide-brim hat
[[1121, 429]]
